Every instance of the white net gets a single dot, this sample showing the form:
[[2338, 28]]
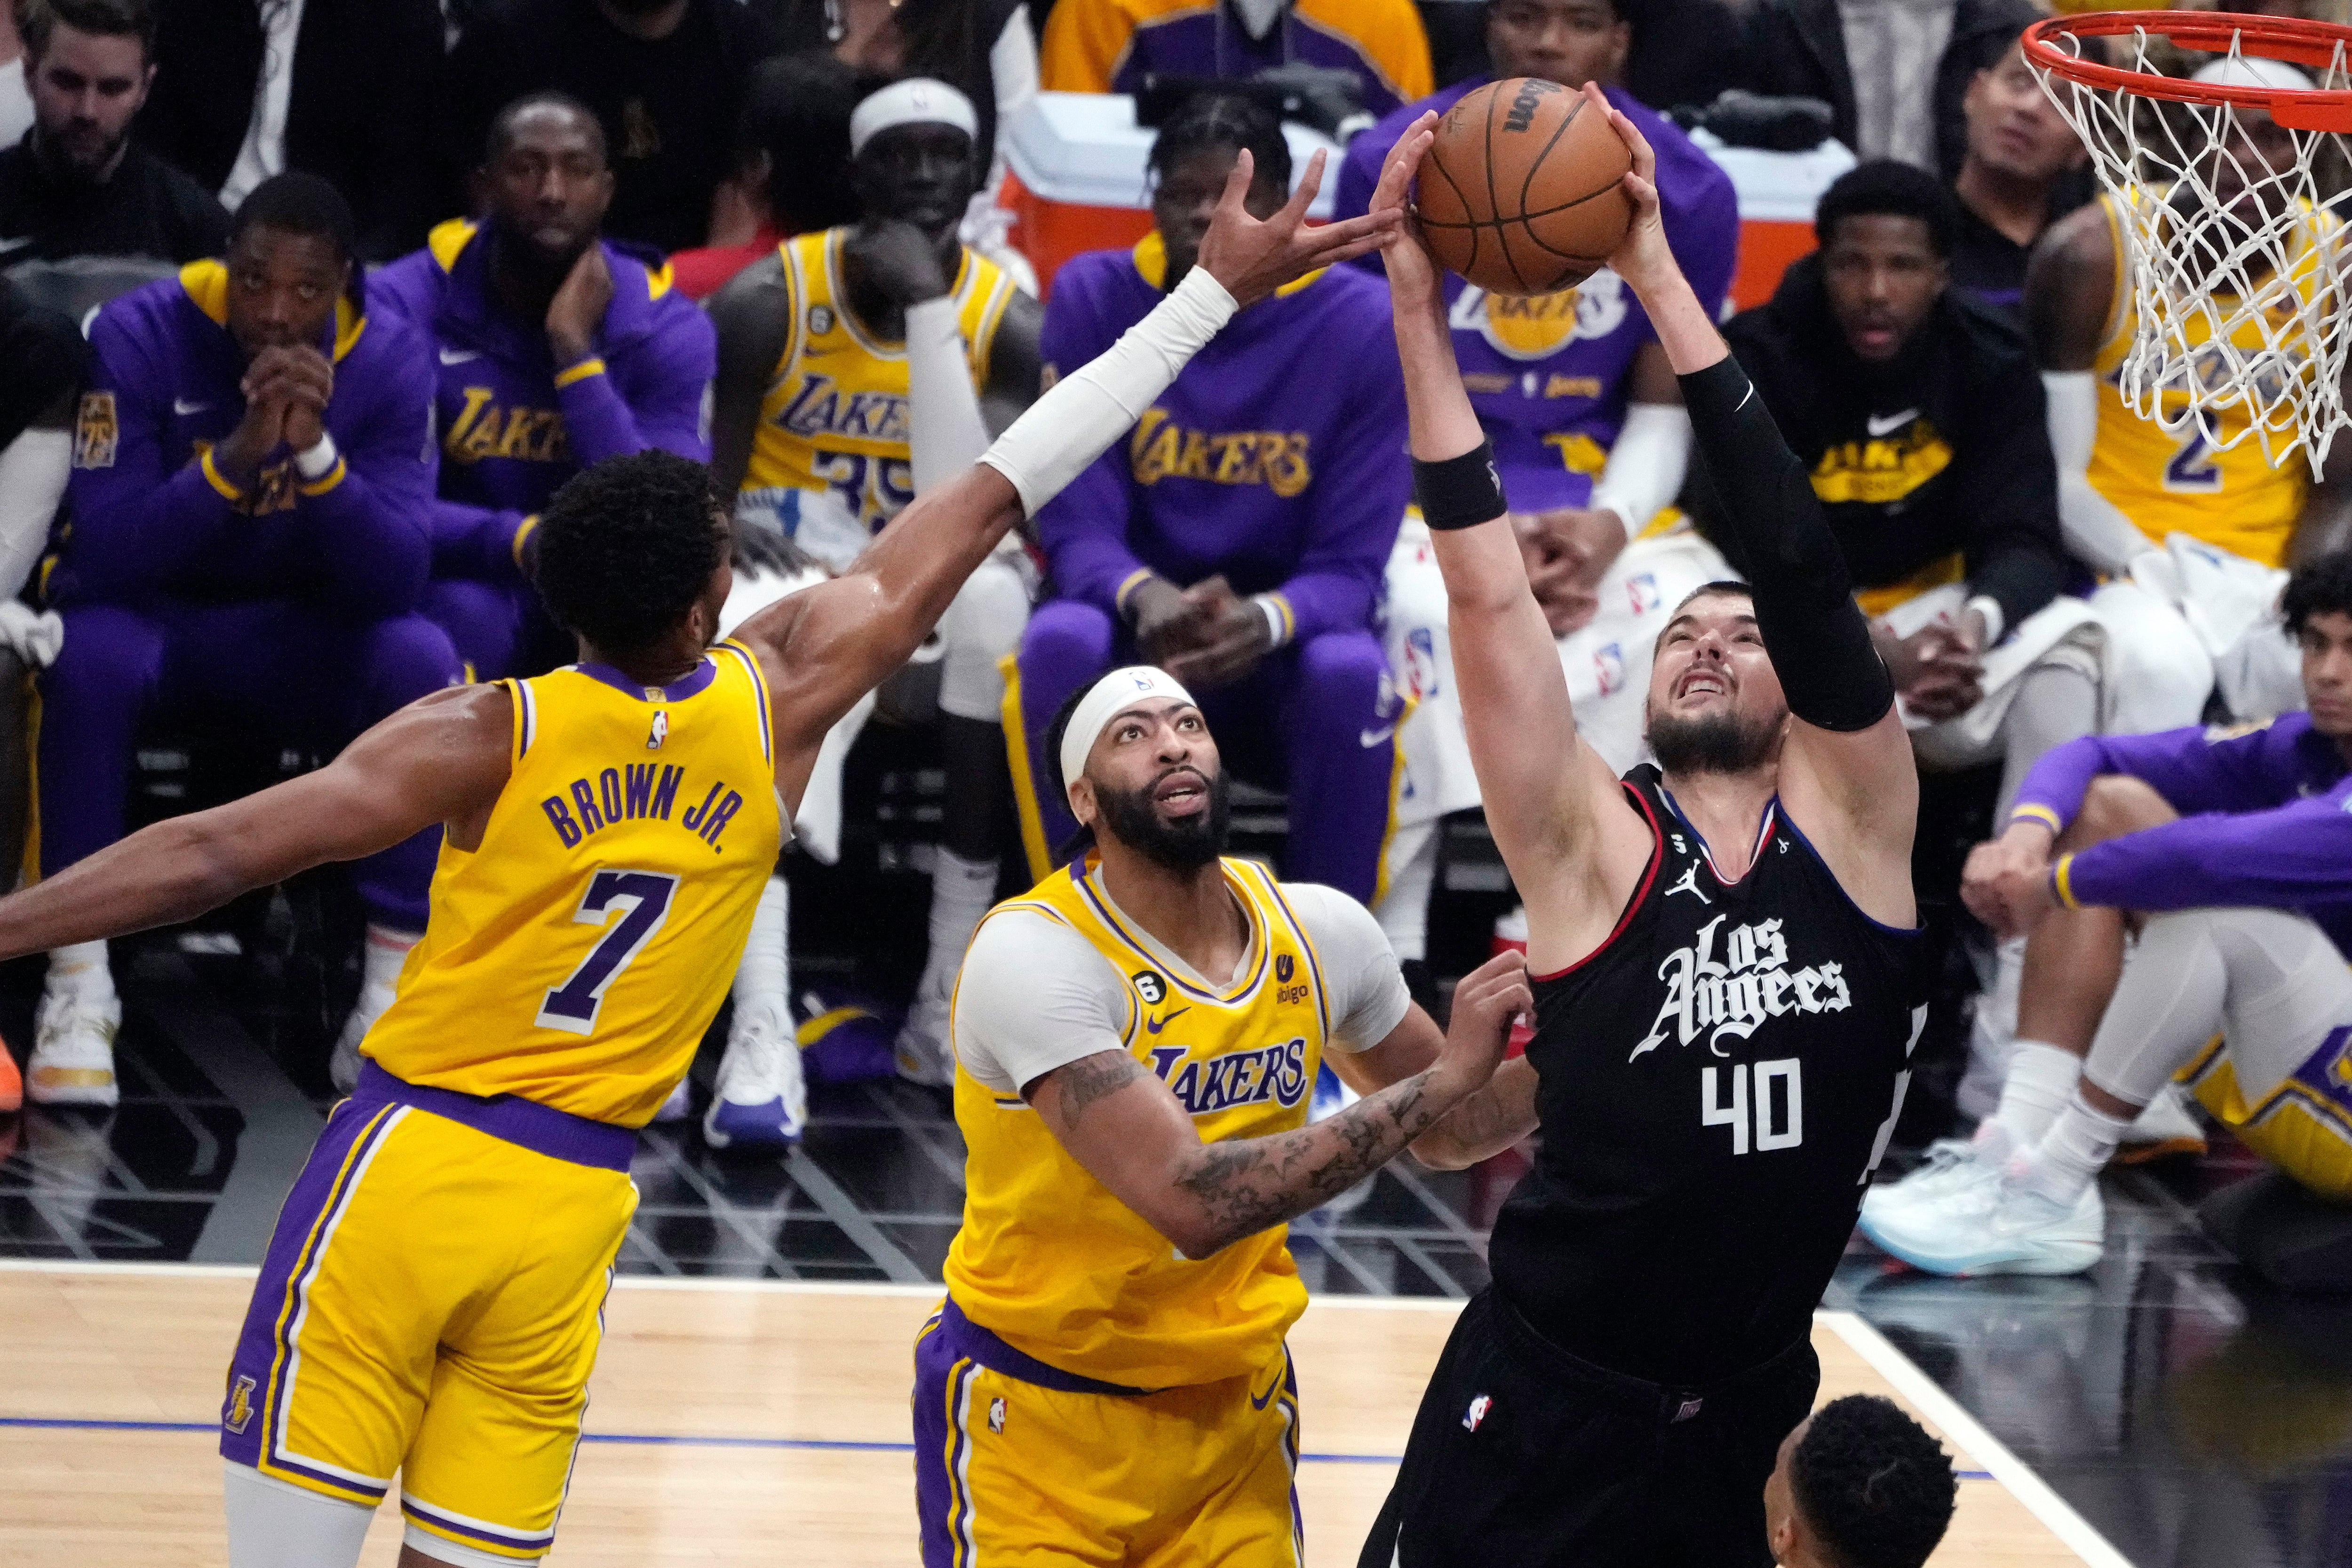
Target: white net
[[2236, 258]]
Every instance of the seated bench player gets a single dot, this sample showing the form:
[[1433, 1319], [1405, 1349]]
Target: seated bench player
[[252, 478], [1237, 538]]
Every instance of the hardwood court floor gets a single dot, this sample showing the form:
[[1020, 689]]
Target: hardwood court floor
[[729, 1420]]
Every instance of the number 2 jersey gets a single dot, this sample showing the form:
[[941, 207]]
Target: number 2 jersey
[[575, 957], [1716, 1082]]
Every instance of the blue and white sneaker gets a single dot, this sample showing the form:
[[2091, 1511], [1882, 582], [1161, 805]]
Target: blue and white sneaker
[[763, 1098], [1952, 1164], [1995, 1226]]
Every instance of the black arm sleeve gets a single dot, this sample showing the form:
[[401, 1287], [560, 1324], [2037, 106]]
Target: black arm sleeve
[[1818, 641]]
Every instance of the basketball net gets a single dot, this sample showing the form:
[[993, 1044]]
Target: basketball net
[[2237, 305]]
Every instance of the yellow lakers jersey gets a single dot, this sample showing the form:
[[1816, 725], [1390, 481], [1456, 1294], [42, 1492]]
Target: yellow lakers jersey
[[834, 421], [577, 955], [2177, 482], [1059, 1267]]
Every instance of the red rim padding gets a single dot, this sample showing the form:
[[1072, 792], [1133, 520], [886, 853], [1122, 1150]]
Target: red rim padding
[[2289, 38]]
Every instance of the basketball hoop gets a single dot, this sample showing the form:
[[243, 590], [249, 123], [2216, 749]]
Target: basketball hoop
[[2241, 307]]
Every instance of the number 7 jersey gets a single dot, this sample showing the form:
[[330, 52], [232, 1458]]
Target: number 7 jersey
[[576, 956]]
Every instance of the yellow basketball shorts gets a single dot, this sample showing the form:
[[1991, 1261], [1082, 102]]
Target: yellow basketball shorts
[[2302, 1123], [431, 1306], [1019, 1465]]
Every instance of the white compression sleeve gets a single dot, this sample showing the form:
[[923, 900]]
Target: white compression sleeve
[[33, 470], [944, 429], [1085, 411], [2096, 531], [1645, 468], [276, 1524]]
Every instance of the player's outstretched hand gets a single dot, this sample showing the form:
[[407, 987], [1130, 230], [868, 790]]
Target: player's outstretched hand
[[2006, 883], [1413, 277], [1642, 257], [1488, 1001], [1253, 259]]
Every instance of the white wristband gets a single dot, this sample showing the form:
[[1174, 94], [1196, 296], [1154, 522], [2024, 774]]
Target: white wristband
[[1996, 619], [1085, 412], [1275, 621], [1646, 467], [319, 460]]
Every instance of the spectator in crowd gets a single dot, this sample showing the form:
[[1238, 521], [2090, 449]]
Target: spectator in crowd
[[1111, 46], [2232, 853], [257, 553], [1590, 442], [345, 90], [2024, 170], [1894, 72], [1238, 536], [556, 351], [666, 78], [78, 185], [792, 166], [16, 96], [853, 368]]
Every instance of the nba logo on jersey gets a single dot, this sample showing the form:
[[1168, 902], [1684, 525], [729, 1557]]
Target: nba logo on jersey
[[660, 730], [240, 1405], [1420, 664], [1642, 592], [996, 1415], [1476, 1413], [1609, 668]]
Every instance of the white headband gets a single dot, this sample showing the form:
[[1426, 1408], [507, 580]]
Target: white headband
[[2254, 71], [917, 100], [1111, 695]]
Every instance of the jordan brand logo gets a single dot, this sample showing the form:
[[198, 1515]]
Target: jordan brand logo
[[1690, 884]]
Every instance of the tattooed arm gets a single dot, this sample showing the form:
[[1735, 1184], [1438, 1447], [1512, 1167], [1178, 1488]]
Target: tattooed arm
[[1132, 1135]]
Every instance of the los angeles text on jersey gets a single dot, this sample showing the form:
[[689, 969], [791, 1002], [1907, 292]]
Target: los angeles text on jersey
[[1731, 995], [636, 792], [1276, 1073]]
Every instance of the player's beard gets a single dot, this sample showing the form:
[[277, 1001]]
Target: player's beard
[[1185, 845], [1710, 744]]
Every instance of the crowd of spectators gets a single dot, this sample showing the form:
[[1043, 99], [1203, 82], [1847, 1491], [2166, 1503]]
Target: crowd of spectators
[[362, 282]]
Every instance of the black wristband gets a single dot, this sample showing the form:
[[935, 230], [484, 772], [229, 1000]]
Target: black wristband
[[1459, 492]]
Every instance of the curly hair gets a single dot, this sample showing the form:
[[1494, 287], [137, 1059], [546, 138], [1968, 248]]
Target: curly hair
[[1884, 187], [1875, 1487], [626, 548], [2320, 586]]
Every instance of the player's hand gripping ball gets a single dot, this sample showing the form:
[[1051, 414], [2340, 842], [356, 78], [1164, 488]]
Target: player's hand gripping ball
[[1522, 192]]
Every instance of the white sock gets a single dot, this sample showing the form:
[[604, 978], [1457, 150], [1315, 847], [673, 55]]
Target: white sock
[[385, 953], [764, 981], [2071, 1158], [961, 893], [2039, 1083], [80, 967]]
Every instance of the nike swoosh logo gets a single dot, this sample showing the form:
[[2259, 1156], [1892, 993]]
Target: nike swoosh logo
[[182, 406], [1154, 1025], [1258, 1401], [459, 356], [1367, 739], [1890, 424]]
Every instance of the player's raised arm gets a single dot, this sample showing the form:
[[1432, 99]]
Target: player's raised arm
[[442, 759], [1846, 773], [827, 646], [1546, 791]]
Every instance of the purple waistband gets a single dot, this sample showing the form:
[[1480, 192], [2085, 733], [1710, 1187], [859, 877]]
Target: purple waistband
[[968, 1339], [542, 1129]]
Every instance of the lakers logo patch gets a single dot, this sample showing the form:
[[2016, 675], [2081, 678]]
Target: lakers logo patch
[[96, 432], [239, 1413]]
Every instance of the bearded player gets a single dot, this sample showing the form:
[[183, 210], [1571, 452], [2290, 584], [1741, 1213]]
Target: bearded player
[[1722, 952], [429, 1305]]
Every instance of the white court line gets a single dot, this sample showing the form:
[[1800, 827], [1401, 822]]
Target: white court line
[[2014, 1474]]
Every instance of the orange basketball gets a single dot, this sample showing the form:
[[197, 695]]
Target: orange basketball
[[1520, 192]]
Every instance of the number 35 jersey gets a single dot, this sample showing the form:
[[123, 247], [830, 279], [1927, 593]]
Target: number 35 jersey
[[1716, 1083], [576, 956]]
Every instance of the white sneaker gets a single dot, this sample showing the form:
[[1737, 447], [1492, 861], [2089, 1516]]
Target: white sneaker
[[923, 1052], [762, 1099], [1996, 1226], [1951, 1164], [73, 1048], [678, 1106]]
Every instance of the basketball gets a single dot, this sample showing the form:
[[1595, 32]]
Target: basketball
[[1520, 192]]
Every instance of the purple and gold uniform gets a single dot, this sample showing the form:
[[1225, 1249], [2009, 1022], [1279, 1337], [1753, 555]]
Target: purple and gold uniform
[[291, 602], [1111, 46], [1278, 459], [431, 1300], [1548, 375], [513, 424]]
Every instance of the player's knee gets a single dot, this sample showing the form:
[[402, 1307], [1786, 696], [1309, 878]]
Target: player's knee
[[2115, 805], [1066, 635], [989, 612], [1343, 667], [107, 651], [408, 655]]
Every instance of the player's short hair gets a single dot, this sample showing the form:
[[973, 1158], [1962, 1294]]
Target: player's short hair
[[296, 203], [1721, 585], [797, 109], [1224, 120], [37, 21], [1876, 1489], [627, 547], [1886, 188], [500, 135], [2319, 586]]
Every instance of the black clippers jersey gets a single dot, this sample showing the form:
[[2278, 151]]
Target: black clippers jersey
[[1718, 1081]]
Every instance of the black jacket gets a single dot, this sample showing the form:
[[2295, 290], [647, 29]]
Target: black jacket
[[148, 208], [1798, 47], [1941, 452], [367, 83]]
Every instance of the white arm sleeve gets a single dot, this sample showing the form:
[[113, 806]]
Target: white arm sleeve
[[1079, 417], [33, 469], [2096, 531], [944, 429], [1368, 997], [1645, 468], [1034, 996]]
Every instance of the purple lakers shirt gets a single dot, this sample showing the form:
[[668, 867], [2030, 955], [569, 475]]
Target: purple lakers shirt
[[1549, 375], [1277, 457], [509, 433]]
